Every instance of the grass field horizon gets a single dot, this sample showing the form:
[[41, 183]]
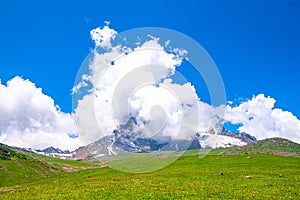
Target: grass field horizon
[[215, 176], [227, 177]]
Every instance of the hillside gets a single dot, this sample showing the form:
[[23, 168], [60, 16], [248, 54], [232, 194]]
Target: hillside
[[18, 167], [276, 146], [190, 177]]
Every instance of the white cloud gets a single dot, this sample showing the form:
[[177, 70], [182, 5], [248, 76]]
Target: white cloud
[[29, 118], [103, 36], [260, 118], [140, 75], [129, 82], [139, 81], [124, 82]]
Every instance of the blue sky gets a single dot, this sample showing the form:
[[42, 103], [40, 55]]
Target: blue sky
[[255, 44]]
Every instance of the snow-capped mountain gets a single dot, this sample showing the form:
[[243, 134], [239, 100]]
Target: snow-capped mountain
[[218, 137], [126, 139], [55, 152]]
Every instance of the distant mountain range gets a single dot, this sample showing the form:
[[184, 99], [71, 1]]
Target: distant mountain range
[[54, 150], [125, 140]]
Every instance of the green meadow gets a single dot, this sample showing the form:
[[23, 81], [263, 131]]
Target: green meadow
[[243, 176]]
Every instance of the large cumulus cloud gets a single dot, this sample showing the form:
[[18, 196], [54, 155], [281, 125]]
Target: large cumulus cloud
[[137, 84], [29, 118], [260, 118], [102, 110]]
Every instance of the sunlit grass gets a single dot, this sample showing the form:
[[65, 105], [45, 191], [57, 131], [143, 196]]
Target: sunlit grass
[[189, 177]]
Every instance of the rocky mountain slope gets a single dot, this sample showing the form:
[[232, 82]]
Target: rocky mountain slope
[[125, 140]]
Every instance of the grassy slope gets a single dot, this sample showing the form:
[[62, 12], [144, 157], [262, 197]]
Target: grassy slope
[[17, 167], [276, 146], [190, 177]]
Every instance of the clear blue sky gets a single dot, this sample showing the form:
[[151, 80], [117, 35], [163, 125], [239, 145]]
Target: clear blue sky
[[255, 43]]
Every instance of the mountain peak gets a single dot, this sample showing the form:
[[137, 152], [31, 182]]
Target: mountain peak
[[52, 149], [128, 138]]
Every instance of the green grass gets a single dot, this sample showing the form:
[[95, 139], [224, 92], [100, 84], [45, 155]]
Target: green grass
[[21, 170], [141, 162], [147, 162], [189, 177], [7, 153], [192, 176], [17, 167], [276, 146]]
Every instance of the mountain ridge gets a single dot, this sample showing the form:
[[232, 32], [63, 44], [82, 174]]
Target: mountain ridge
[[52, 149], [125, 139], [276, 146]]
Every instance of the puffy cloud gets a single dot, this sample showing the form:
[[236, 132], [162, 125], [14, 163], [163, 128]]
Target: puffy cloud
[[260, 118], [29, 118], [124, 82], [103, 36], [169, 110], [135, 82]]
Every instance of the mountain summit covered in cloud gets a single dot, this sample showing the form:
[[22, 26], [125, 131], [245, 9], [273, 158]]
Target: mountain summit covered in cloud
[[134, 78], [127, 138]]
